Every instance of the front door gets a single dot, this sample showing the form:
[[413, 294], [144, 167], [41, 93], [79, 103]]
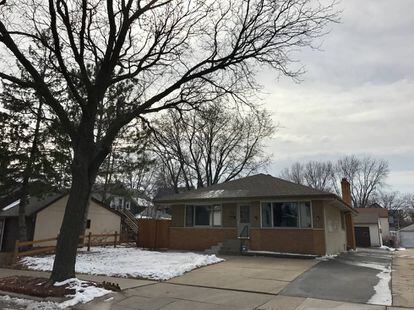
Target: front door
[[243, 220]]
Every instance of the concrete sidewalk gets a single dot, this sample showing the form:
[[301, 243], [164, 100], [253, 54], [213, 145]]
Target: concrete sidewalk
[[168, 296]]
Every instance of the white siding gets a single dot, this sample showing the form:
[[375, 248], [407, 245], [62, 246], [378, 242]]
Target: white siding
[[335, 235], [49, 220], [385, 228]]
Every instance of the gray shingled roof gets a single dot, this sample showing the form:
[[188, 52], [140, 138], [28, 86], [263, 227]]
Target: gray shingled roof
[[34, 205], [255, 186]]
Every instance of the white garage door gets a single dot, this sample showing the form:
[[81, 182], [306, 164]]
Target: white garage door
[[407, 239]]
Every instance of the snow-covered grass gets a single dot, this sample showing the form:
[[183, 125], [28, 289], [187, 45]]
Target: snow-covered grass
[[27, 304], [84, 292], [129, 262]]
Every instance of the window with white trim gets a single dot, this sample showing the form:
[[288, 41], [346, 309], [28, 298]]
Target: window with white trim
[[287, 214], [203, 215]]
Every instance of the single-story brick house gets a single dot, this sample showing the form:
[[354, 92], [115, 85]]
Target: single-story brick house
[[44, 215], [272, 214]]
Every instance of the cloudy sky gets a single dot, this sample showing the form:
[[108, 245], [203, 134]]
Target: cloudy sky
[[357, 96]]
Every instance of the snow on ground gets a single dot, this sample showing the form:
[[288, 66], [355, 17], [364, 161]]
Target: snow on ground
[[384, 247], [129, 262], [84, 293], [27, 304], [327, 257]]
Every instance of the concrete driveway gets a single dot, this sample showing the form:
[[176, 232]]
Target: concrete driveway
[[238, 283], [363, 276], [252, 274]]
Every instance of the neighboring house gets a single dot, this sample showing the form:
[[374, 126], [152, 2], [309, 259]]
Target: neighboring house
[[118, 197], [268, 213], [406, 236], [371, 226], [44, 217]]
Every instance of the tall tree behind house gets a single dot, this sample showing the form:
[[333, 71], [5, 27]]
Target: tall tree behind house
[[211, 145], [366, 176]]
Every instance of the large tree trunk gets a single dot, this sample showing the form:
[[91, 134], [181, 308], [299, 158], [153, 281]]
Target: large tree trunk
[[83, 177]]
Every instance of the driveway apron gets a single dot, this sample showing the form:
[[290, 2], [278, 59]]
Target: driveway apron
[[362, 276]]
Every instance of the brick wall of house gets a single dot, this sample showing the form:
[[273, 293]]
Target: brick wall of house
[[198, 239], [302, 241]]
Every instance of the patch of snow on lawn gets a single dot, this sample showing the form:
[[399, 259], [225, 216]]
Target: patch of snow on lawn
[[84, 292], [129, 262], [28, 304]]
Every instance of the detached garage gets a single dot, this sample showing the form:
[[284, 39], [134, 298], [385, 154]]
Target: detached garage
[[407, 237]]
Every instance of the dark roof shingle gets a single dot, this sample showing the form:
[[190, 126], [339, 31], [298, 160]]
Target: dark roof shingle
[[255, 186]]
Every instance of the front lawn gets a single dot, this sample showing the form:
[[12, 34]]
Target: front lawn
[[129, 262]]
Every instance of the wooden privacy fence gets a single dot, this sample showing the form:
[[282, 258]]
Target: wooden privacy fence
[[26, 248], [153, 233]]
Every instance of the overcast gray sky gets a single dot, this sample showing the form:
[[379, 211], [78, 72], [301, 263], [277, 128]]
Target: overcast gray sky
[[357, 96]]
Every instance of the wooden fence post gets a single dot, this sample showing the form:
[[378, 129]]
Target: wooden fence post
[[16, 251], [89, 241], [115, 238]]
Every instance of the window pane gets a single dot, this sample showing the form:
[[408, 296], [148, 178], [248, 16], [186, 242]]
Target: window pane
[[189, 216], [266, 214], [305, 214], [285, 214], [202, 215], [217, 215]]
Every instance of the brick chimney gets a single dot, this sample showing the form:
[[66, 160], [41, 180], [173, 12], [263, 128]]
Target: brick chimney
[[346, 191]]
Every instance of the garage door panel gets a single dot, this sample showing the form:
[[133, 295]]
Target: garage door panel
[[407, 239]]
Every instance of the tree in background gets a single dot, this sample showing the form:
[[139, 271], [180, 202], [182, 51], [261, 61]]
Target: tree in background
[[211, 145], [171, 54], [33, 158], [318, 175], [366, 176], [400, 206], [129, 163]]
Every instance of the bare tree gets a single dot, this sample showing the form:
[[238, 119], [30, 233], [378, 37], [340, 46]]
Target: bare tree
[[366, 175], [169, 54], [212, 145], [319, 175], [294, 173]]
